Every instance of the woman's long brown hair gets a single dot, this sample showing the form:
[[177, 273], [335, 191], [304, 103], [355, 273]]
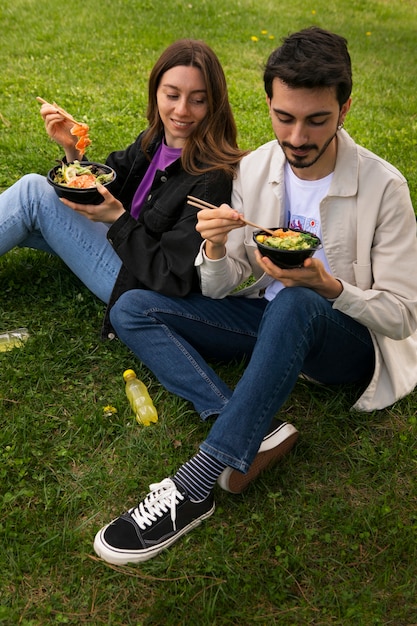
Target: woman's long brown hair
[[213, 144]]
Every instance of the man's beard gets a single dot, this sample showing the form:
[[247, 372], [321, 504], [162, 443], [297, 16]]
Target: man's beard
[[299, 163]]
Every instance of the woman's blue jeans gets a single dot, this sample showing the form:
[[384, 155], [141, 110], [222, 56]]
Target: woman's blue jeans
[[32, 216], [298, 331]]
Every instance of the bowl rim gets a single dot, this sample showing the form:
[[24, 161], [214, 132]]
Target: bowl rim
[[285, 228], [78, 189]]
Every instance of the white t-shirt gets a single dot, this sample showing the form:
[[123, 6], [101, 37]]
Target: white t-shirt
[[302, 204]]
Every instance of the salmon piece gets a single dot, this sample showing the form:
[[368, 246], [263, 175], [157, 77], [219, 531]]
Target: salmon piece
[[81, 131], [82, 144], [83, 181]]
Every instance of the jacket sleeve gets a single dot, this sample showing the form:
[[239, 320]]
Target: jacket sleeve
[[159, 249], [384, 294], [219, 278]]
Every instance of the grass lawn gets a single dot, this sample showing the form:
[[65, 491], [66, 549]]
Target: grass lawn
[[326, 538]]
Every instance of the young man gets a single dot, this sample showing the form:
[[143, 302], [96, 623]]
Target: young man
[[349, 315]]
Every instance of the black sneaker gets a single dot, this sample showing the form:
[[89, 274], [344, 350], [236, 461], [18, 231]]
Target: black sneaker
[[279, 440], [157, 522]]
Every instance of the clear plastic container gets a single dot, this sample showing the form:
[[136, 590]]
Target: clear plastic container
[[13, 339], [139, 399]]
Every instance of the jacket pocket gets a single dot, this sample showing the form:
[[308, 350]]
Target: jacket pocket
[[363, 275]]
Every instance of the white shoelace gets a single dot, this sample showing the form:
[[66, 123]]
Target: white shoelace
[[164, 497]]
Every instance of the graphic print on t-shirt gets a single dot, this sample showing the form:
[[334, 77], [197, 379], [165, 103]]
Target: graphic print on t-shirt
[[302, 222]]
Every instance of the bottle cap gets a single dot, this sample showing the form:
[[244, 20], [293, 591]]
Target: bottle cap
[[128, 374]]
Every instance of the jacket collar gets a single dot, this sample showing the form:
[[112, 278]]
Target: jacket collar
[[345, 179]]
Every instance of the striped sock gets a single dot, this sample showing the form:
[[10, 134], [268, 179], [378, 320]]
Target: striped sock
[[198, 475]]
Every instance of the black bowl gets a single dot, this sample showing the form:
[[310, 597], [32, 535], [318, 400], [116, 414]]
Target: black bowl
[[286, 259], [81, 196]]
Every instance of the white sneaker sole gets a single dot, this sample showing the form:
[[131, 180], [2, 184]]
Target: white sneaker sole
[[115, 556]]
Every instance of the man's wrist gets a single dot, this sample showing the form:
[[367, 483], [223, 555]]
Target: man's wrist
[[334, 291], [214, 251]]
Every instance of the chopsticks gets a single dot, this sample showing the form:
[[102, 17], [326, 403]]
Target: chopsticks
[[202, 204], [60, 111]]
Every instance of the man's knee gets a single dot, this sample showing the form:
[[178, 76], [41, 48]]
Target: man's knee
[[127, 305]]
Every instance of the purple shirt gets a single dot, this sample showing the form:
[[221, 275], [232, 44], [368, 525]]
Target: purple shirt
[[163, 157]]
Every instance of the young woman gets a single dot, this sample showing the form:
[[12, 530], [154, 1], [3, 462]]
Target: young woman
[[143, 233]]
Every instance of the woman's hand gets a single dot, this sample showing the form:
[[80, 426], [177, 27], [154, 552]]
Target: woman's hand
[[214, 225], [312, 275], [59, 129], [108, 211]]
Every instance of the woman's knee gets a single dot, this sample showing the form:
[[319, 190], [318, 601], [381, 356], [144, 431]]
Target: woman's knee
[[32, 188], [34, 181]]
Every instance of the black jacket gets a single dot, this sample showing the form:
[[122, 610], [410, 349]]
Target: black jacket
[[158, 249]]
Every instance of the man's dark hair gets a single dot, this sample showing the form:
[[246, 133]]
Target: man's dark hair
[[310, 58]]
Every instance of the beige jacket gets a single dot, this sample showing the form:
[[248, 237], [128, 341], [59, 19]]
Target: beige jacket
[[369, 235]]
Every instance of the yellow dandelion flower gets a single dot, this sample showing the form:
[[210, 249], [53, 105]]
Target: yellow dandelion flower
[[368, 33], [263, 32], [254, 38], [313, 12], [109, 410], [271, 37]]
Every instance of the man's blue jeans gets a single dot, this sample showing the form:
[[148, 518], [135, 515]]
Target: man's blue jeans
[[32, 216], [298, 331]]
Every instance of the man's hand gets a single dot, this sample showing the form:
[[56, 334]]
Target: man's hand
[[311, 275], [214, 225]]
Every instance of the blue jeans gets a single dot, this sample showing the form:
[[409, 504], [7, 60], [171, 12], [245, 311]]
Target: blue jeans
[[32, 216], [298, 331]]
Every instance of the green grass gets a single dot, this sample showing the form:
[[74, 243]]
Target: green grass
[[328, 537]]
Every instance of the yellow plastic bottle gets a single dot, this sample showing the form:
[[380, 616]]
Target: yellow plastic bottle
[[13, 339], [139, 399]]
